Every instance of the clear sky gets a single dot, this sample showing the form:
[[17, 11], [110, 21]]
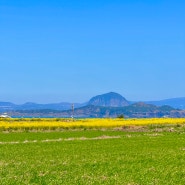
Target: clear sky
[[71, 50]]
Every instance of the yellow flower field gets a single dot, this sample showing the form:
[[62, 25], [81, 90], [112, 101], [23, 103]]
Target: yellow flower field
[[52, 123]]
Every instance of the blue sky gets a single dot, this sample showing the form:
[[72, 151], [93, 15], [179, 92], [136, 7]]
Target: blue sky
[[57, 51]]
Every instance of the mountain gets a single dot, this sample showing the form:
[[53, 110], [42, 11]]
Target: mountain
[[111, 99], [178, 103]]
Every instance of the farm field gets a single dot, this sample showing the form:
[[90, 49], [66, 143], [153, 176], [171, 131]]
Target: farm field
[[134, 154], [62, 123]]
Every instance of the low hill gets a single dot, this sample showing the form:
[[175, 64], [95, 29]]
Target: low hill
[[138, 110]]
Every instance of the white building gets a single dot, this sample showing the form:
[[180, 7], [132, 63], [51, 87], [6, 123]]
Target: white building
[[4, 115]]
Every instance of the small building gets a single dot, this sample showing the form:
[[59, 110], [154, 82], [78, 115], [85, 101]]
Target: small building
[[4, 115]]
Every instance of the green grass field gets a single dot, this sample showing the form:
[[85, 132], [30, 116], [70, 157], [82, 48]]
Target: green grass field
[[91, 157]]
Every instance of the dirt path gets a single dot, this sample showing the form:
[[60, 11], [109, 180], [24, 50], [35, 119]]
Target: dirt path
[[60, 140]]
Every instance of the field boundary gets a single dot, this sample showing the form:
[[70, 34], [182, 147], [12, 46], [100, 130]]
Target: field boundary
[[61, 139]]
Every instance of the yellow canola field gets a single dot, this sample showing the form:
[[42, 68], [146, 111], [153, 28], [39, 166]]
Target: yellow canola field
[[52, 123]]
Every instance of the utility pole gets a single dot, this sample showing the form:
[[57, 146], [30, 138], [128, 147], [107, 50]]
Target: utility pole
[[72, 108]]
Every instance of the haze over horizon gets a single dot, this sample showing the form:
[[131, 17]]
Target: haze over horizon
[[69, 51]]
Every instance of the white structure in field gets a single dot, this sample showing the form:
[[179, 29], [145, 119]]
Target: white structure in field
[[4, 115]]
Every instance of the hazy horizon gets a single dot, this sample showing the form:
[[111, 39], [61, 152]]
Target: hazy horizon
[[69, 51]]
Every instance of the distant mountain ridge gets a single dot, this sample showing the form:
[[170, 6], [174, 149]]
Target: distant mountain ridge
[[7, 106], [106, 105], [178, 103]]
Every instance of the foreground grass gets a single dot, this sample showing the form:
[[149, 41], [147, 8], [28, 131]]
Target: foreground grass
[[90, 157]]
